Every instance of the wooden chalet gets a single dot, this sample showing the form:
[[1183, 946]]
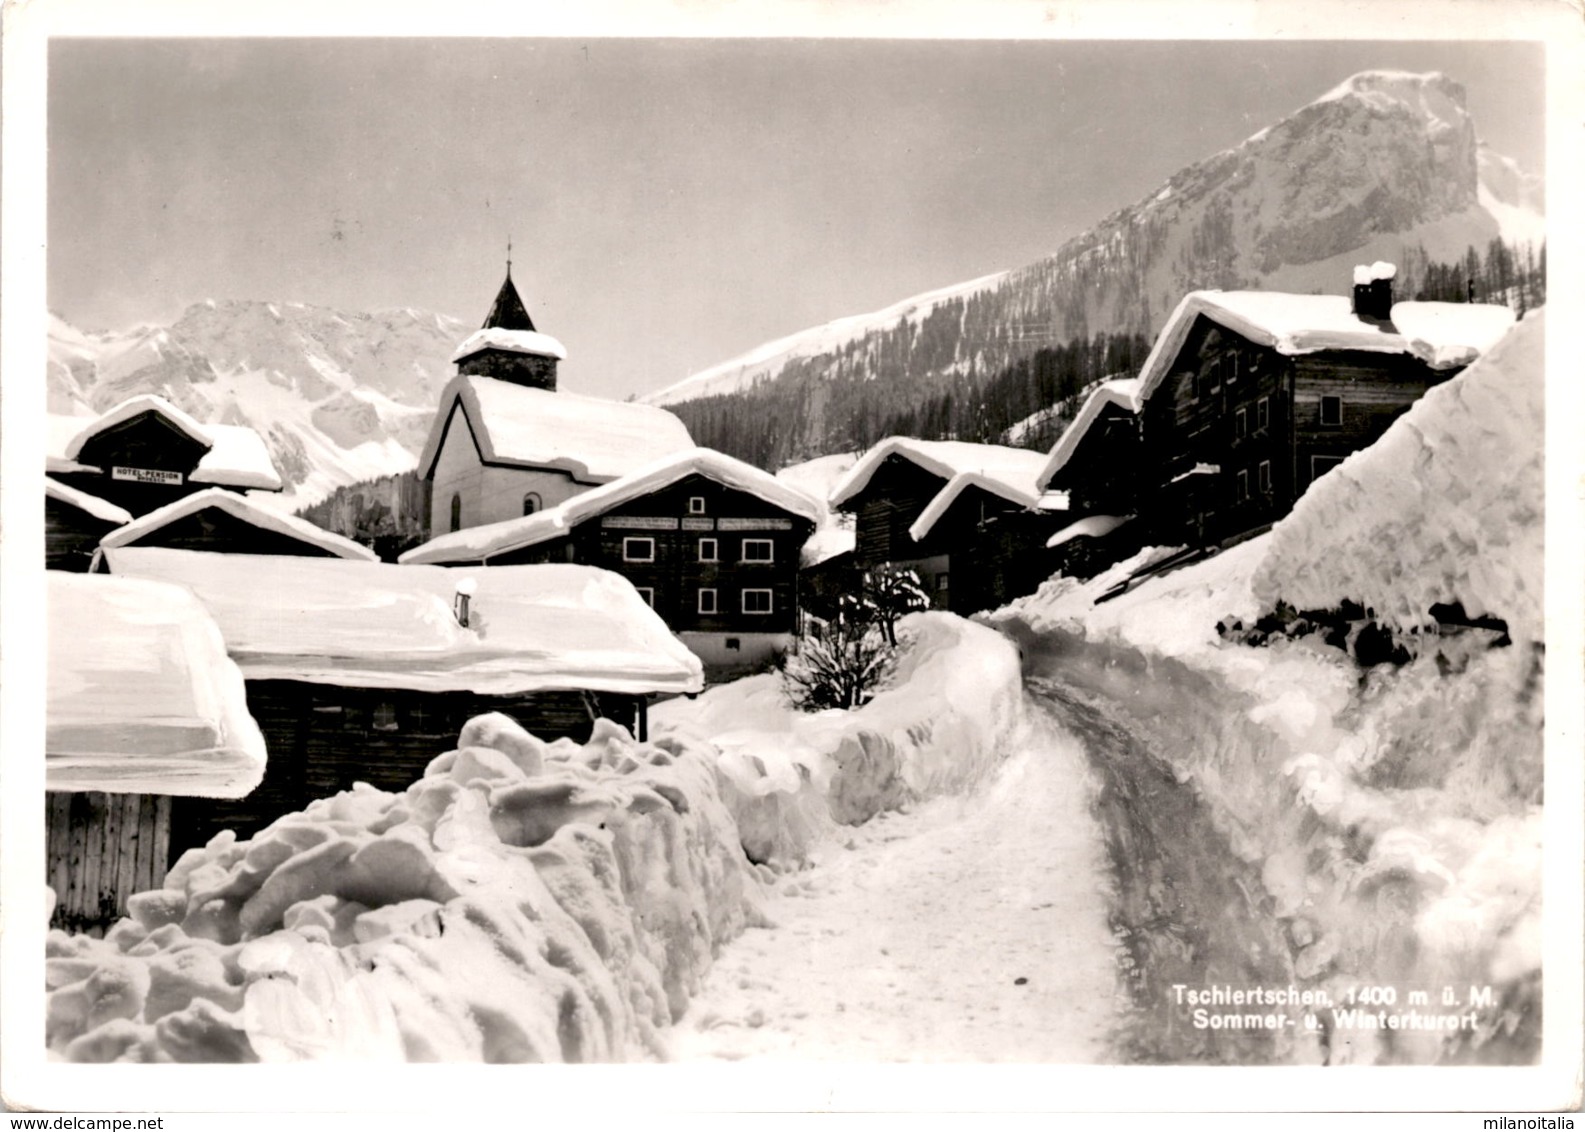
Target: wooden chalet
[[74, 522], [143, 711], [1247, 398], [365, 671], [146, 453], [224, 522], [967, 518], [506, 443], [710, 542], [1096, 468]]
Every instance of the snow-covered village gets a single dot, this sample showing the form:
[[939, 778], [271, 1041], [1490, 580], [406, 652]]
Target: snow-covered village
[[1132, 655]]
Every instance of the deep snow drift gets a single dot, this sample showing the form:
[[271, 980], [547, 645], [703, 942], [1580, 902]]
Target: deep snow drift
[[1391, 811], [520, 902]]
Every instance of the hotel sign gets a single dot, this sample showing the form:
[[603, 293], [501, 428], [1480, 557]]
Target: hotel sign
[[146, 475]]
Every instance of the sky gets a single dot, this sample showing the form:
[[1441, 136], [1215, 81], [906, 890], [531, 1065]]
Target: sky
[[671, 202]]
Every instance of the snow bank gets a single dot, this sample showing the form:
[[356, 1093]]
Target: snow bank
[[950, 716], [520, 902], [141, 697], [1448, 506]]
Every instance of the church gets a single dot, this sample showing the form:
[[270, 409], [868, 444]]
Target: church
[[506, 442]]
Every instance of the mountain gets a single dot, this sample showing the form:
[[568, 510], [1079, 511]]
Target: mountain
[[1382, 166], [339, 397]]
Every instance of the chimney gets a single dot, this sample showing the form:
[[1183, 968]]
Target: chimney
[[1373, 291]]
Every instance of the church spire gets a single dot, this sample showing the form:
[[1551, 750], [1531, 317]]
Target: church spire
[[508, 311]]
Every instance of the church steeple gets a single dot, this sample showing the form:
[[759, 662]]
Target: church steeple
[[508, 347], [508, 311]]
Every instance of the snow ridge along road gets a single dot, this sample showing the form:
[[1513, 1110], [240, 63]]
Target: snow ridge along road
[[968, 928]]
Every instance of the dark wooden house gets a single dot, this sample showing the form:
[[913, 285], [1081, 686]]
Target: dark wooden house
[[365, 671], [711, 543], [1248, 397], [143, 712], [74, 522], [967, 518], [146, 453], [228, 523]]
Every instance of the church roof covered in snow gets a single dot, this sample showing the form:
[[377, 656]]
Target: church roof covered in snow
[[1013, 468], [244, 510], [377, 625], [1443, 335], [236, 455], [1119, 392], [475, 544], [508, 327], [141, 697], [590, 438]]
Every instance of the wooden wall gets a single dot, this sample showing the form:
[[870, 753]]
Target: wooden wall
[[100, 849], [71, 535], [321, 739], [895, 496], [215, 530]]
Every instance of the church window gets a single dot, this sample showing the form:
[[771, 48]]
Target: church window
[[456, 512], [531, 503]]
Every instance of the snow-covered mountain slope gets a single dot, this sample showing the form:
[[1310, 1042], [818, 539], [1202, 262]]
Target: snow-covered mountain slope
[[1385, 161], [339, 397]]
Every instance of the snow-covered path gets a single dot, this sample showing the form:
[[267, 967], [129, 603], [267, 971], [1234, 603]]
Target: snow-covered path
[[970, 929]]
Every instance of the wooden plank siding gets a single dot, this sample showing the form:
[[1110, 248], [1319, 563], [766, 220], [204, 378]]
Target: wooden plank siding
[[1194, 419], [678, 570], [894, 497], [71, 535], [215, 530], [994, 551], [100, 849], [322, 739]]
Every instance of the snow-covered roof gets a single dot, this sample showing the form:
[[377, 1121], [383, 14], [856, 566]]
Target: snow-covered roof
[[141, 696], [512, 341], [592, 439], [98, 508], [1442, 335], [235, 456], [473, 544], [1092, 526], [1013, 467], [827, 543], [957, 485], [1198, 470], [133, 406], [1370, 273], [377, 625], [244, 510], [1121, 392], [239, 458]]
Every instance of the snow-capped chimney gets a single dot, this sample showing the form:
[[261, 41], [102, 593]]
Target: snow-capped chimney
[[1373, 291]]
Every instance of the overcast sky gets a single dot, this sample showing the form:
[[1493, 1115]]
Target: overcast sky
[[671, 202]]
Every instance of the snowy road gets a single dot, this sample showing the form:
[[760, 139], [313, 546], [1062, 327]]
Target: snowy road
[[973, 928]]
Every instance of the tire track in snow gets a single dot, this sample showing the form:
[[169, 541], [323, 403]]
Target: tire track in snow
[[910, 943]]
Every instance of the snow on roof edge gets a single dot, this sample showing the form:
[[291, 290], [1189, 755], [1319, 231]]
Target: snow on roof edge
[[131, 407], [1124, 393], [238, 507], [493, 539], [98, 508], [956, 486], [931, 455], [513, 341], [1091, 526]]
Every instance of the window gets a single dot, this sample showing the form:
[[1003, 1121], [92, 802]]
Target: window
[[759, 550], [696, 505], [1240, 424], [1263, 413], [1243, 484], [1320, 465], [456, 512], [1265, 476], [707, 601], [648, 594], [638, 550], [756, 601], [941, 583], [1331, 410], [384, 718], [708, 551], [1231, 363], [531, 503]]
